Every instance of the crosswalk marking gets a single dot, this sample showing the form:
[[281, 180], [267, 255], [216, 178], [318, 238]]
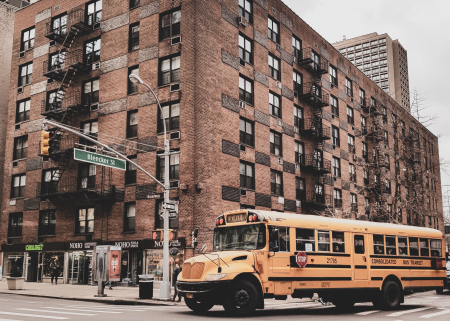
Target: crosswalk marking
[[34, 315], [396, 314], [367, 312], [427, 316], [85, 309], [49, 311]]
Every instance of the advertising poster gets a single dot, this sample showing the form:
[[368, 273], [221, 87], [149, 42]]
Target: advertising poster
[[114, 267]]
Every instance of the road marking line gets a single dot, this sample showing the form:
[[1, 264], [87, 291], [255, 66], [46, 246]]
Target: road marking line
[[396, 314], [367, 312], [34, 315], [85, 308], [427, 316], [49, 311]]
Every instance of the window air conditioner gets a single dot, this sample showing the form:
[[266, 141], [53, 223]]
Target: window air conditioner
[[279, 122], [96, 65], [242, 104], [243, 192], [175, 87], [242, 148], [49, 80], [22, 54], [298, 203], [242, 21], [175, 40], [355, 158], [296, 130], [17, 126], [278, 48], [96, 26], [20, 90], [94, 107], [295, 60], [297, 166], [279, 84], [175, 135], [280, 160]]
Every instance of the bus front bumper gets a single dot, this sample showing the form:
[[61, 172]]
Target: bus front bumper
[[203, 290]]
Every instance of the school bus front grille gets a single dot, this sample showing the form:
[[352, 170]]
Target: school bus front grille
[[194, 271]]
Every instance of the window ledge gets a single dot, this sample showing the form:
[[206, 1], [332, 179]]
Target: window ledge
[[15, 237], [131, 184], [169, 131], [18, 198], [134, 94], [132, 138], [249, 146], [20, 159], [129, 232], [22, 122], [168, 85], [46, 236], [135, 7], [83, 234]]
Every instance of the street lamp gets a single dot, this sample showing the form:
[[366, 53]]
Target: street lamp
[[164, 292]]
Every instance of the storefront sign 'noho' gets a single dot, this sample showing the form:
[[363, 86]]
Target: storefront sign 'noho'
[[128, 244]]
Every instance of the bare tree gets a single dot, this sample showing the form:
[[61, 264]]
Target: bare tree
[[418, 109]]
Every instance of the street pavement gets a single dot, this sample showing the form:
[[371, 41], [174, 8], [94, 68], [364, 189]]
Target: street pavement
[[418, 306]]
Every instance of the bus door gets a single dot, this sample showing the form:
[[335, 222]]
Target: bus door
[[360, 257], [279, 245]]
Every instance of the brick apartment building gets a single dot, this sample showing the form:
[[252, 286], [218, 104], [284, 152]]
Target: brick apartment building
[[383, 60], [331, 142]]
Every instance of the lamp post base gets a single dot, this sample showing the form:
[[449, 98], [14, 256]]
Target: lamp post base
[[165, 292]]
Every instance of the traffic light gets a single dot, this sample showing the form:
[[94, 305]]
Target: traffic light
[[158, 235], [45, 143]]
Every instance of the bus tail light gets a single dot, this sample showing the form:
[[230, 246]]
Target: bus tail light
[[438, 263], [220, 221], [253, 218]]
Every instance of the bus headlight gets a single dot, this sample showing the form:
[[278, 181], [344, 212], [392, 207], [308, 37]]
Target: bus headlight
[[215, 277]]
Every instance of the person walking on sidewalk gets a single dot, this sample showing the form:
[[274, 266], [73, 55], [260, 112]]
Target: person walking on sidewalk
[[54, 266], [175, 277]]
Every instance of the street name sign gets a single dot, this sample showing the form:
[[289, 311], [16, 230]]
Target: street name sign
[[97, 159]]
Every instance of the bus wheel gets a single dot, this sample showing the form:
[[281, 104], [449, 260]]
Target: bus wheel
[[197, 306], [391, 295], [241, 299]]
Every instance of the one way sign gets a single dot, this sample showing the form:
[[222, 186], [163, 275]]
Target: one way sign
[[168, 206]]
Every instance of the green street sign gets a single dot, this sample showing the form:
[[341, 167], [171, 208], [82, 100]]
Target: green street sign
[[97, 159]]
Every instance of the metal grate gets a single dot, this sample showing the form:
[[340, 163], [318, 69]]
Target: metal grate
[[263, 200], [231, 194], [288, 167], [290, 205], [262, 159], [230, 148]]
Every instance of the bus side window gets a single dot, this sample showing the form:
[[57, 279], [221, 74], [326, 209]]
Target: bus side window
[[359, 244], [338, 242], [413, 246], [424, 247], [323, 240], [305, 240], [391, 248], [402, 246], [436, 248], [284, 239], [378, 244]]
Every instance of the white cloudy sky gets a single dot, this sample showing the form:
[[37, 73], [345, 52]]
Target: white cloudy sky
[[422, 27]]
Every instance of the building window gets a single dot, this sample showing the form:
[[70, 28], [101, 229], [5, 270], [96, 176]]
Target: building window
[[49, 177], [386, 137], [246, 130], [47, 222], [247, 175], [273, 31], [362, 97], [354, 202], [245, 10], [336, 167], [129, 217], [245, 49], [351, 144], [130, 173], [275, 143], [337, 198], [333, 76], [274, 105], [170, 24], [92, 51], [57, 60], [348, 87], [335, 136], [85, 221], [27, 39], [23, 110], [90, 92], [20, 147], [299, 152], [365, 154], [245, 90], [298, 116], [94, 12], [133, 88], [350, 116], [59, 25], [300, 193], [366, 177], [25, 74], [89, 128], [86, 176], [274, 67], [298, 80], [388, 186], [134, 3], [174, 169], [296, 47], [169, 70], [134, 37], [132, 124], [352, 172], [334, 106], [15, 224], [18, 186], [276, 183], [171, 117]]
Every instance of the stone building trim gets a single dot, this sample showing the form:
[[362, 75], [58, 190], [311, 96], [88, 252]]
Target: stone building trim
[[230, 103], [230, 148], [229, 16], [114, 64], [112, 107], [230, 60], [116, 22], [149, 10]]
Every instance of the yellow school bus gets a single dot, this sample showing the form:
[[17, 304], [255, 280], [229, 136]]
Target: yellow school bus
[[262, 254]]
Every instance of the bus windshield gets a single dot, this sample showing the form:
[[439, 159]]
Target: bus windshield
[[244, 237]]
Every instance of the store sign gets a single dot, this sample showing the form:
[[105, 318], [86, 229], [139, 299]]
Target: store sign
[[34, 247], [128, 244], [81, 245], [160, 244]]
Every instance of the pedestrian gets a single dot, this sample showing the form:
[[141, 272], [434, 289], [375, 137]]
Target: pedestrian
[[175, 277], [54, 267]]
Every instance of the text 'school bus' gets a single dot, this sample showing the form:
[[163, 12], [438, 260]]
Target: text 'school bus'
[[262, 254]]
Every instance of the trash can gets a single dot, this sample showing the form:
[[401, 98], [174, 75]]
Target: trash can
[[146, 286]]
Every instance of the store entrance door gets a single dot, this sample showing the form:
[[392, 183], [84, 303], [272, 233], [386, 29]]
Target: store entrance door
[[125, 268], [32, 266], [77, 268]]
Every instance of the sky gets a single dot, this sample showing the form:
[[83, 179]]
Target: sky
[[421, 27]]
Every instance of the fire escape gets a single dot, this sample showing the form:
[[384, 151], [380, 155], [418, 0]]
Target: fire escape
[[62, 104], [312, 94]]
